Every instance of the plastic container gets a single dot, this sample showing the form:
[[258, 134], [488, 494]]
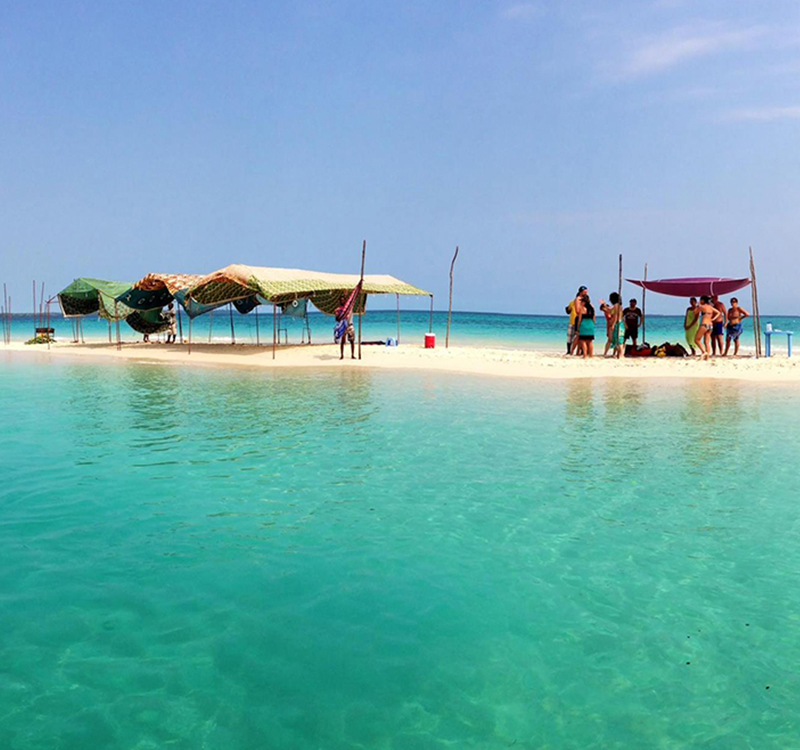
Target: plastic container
[[430, 340]]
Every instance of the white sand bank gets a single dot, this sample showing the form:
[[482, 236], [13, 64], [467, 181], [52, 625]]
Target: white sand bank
[[473, 360]]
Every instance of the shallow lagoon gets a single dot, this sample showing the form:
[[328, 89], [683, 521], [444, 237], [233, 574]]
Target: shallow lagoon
[[198, 559]]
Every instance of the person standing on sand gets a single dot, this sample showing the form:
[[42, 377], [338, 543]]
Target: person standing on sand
[[633, 318], [574, 309], [614, 334], [344, 329], [718, 333], [691, 322], [171, 331], [734, 329], [708, 316], [585, 327]]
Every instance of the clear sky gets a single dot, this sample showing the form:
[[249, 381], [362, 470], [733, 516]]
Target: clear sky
[[544, 138]]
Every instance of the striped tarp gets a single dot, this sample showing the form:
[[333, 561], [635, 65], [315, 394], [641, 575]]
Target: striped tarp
[[280, 285]]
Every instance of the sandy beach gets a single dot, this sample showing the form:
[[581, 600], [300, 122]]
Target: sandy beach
[[471, 360]]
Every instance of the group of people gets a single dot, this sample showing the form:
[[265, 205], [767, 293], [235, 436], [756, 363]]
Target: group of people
[[708, 323], [622, 324], [710, 327]]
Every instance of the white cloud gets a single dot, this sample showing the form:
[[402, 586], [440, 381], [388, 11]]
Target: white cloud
[[654, 54], [765, 114], [522, 11]]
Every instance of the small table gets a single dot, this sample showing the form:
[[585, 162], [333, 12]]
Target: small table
[[768, 335]]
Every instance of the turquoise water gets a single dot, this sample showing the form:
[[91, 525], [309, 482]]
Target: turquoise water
[[521, 331], [199, 559]]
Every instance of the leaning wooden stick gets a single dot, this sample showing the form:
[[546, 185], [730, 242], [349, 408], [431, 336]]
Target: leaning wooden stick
[[644, 307], [450, 304], [361, 294]]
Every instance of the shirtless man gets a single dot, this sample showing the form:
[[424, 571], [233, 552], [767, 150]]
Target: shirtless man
[[344, 330], [708, 316], [734, 328], [718, 333]]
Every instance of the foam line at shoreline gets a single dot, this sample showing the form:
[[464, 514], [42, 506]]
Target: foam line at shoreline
[[471, 360]]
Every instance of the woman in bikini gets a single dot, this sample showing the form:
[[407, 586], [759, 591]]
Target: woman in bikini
[[708, 316]]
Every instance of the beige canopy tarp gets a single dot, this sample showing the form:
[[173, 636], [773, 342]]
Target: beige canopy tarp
[[279, 285]]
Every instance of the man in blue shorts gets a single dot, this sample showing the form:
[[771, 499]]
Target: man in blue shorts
[[734, 328]]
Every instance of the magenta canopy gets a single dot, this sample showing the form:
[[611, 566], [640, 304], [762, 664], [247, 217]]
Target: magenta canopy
[[692, 287]]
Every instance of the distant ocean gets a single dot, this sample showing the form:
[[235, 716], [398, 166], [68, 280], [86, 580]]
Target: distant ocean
[[545, 332]]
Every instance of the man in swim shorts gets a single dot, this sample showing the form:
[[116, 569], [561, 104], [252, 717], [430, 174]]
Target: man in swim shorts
[[344, 329], [632, 316], [718, 333], [734, 328]]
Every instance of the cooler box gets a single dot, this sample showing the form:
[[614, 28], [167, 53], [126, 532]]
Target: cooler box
[[430, 340]]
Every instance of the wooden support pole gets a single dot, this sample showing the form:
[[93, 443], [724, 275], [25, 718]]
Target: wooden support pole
[[34, 307], [430, 318], [5, 314], [116, 319], [210, 325], [41, 307], [644, 308], [450, 303], [364, 306], [109, 331], [233, 333], [189, 347], [756, 311], [258, 338], [398, 317], [180, 321], [48, 324], [80, 327], [274, 329]]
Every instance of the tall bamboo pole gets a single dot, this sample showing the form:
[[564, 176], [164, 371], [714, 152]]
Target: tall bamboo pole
[[644, 308], [450, 303], [116, 320], [364, 306], [756, 310], [5, 314]]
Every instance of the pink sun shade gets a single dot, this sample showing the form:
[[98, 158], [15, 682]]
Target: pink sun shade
[[692, 287]]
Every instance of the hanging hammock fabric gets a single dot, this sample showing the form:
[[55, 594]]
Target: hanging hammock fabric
[[692, 286]]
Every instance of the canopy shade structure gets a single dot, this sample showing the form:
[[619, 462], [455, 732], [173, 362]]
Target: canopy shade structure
[[281, 285], [157, 290], [85, 296], [692, 286]]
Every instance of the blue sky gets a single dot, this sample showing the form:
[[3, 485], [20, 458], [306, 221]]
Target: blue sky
[[544, 138]]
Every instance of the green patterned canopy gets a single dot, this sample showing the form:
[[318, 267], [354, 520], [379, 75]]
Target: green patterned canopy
[[280, 285], [85, 296]]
